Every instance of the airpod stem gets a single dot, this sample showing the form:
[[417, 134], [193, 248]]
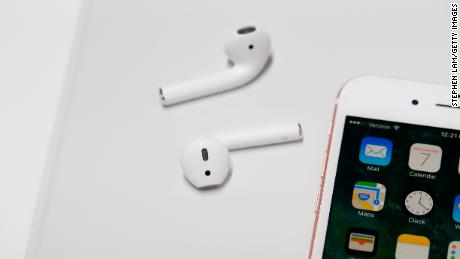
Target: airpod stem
[[206, 85], [275, 134], [249, 50]]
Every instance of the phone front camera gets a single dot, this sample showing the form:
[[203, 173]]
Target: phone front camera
[[415, 102]]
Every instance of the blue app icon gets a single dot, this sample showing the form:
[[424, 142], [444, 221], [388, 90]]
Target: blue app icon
[[456, 211], [375, 151]]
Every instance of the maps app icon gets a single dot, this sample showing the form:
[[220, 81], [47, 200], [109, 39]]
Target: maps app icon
[[376, 151], [368, 196]]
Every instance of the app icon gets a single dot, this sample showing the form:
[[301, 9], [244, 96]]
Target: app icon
[[419, 203], [454, 250], [456, 210], [412, 246], [424, 157], [362, 241], [375, 151], [368, 196]]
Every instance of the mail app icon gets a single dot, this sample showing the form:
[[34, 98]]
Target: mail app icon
[[376, 151]]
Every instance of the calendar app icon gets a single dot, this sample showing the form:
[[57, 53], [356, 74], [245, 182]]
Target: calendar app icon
[[424, 157]]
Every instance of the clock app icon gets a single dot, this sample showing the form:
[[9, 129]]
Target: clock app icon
[[419, 203]]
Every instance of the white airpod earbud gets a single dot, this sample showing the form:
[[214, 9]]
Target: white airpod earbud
[[206, 161], [248, 52]]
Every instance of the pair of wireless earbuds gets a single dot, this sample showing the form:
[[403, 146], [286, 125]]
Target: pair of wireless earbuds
[[206, 162]]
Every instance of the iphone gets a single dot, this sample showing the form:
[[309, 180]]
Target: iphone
[[390, 186]]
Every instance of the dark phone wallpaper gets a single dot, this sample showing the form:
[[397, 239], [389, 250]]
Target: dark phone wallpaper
[[393, 219]]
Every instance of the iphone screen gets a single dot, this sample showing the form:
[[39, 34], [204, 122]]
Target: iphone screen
[[396, 192]]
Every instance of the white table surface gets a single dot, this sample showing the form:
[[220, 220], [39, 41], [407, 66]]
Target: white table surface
[[35, 40], [117, 189]]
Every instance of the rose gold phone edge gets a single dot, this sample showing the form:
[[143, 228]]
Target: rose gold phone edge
[[325, 167]]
